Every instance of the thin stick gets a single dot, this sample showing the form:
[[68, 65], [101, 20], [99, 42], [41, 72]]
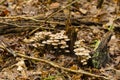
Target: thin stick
[[61, 9], [57, 66]]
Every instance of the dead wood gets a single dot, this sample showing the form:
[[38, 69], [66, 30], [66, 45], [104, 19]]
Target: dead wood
[[101, 54]]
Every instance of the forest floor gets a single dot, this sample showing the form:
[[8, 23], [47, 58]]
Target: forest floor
[[56, 39]]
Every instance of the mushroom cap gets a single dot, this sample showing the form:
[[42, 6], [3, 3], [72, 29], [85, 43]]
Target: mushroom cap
[[54, 44], [79, 53], [55, 47], [86, 54], [81, 49], [67, 39], [62, 42], [62, 47], [51, 38], [84, 63], [83, 60], [86, 51], [66, 46], [50, 41], [56, 41], [67, 51], [42, 45], [20, 63], [44, 42], [20, 68], [77, 43]]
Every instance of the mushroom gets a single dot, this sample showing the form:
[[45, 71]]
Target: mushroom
[[62, 42], [67, 39], [84, 63], [44, 42], [62, 47], [54, 44], [55, 40], [67, 51], [49, 41], [83, 60], [79, 53]]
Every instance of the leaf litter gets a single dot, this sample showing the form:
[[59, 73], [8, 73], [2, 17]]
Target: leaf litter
[[21, 21]]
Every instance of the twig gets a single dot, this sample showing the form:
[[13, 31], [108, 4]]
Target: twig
[[33, 19], [61, 9], [4, 46], [57, 66], [5, 23], [51, 63], [18, 26], [11, 27]]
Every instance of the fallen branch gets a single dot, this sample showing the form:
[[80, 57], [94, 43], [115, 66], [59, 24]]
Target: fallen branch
[[74, 21], [14, 28], [57, 66], [80, 71]]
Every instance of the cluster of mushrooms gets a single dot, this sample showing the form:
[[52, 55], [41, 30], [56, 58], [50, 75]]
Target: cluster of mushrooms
[[57, 41], [81, 52], [37, 39], [39, 36]]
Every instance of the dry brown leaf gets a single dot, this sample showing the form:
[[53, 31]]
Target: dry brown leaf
[[76, 77], [74, 67], [54, 5], [118, 74], [83, 11]]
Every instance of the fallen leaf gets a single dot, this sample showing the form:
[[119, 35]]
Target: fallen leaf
[[54, 5], [83, 11]]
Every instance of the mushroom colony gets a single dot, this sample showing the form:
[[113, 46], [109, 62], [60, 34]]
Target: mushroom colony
[[81, 52], [56, 42]]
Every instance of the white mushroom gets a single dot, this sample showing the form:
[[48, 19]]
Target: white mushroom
[[62, 42], [44, 42], [86, 51], [55, 40], [84, 63], [67, 39], [54, 44], [67, 51], [83, 60], [50, 41], [62, 47], [76, 50], [20, 68], [77, 42], [81, 49], [79, 53]]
